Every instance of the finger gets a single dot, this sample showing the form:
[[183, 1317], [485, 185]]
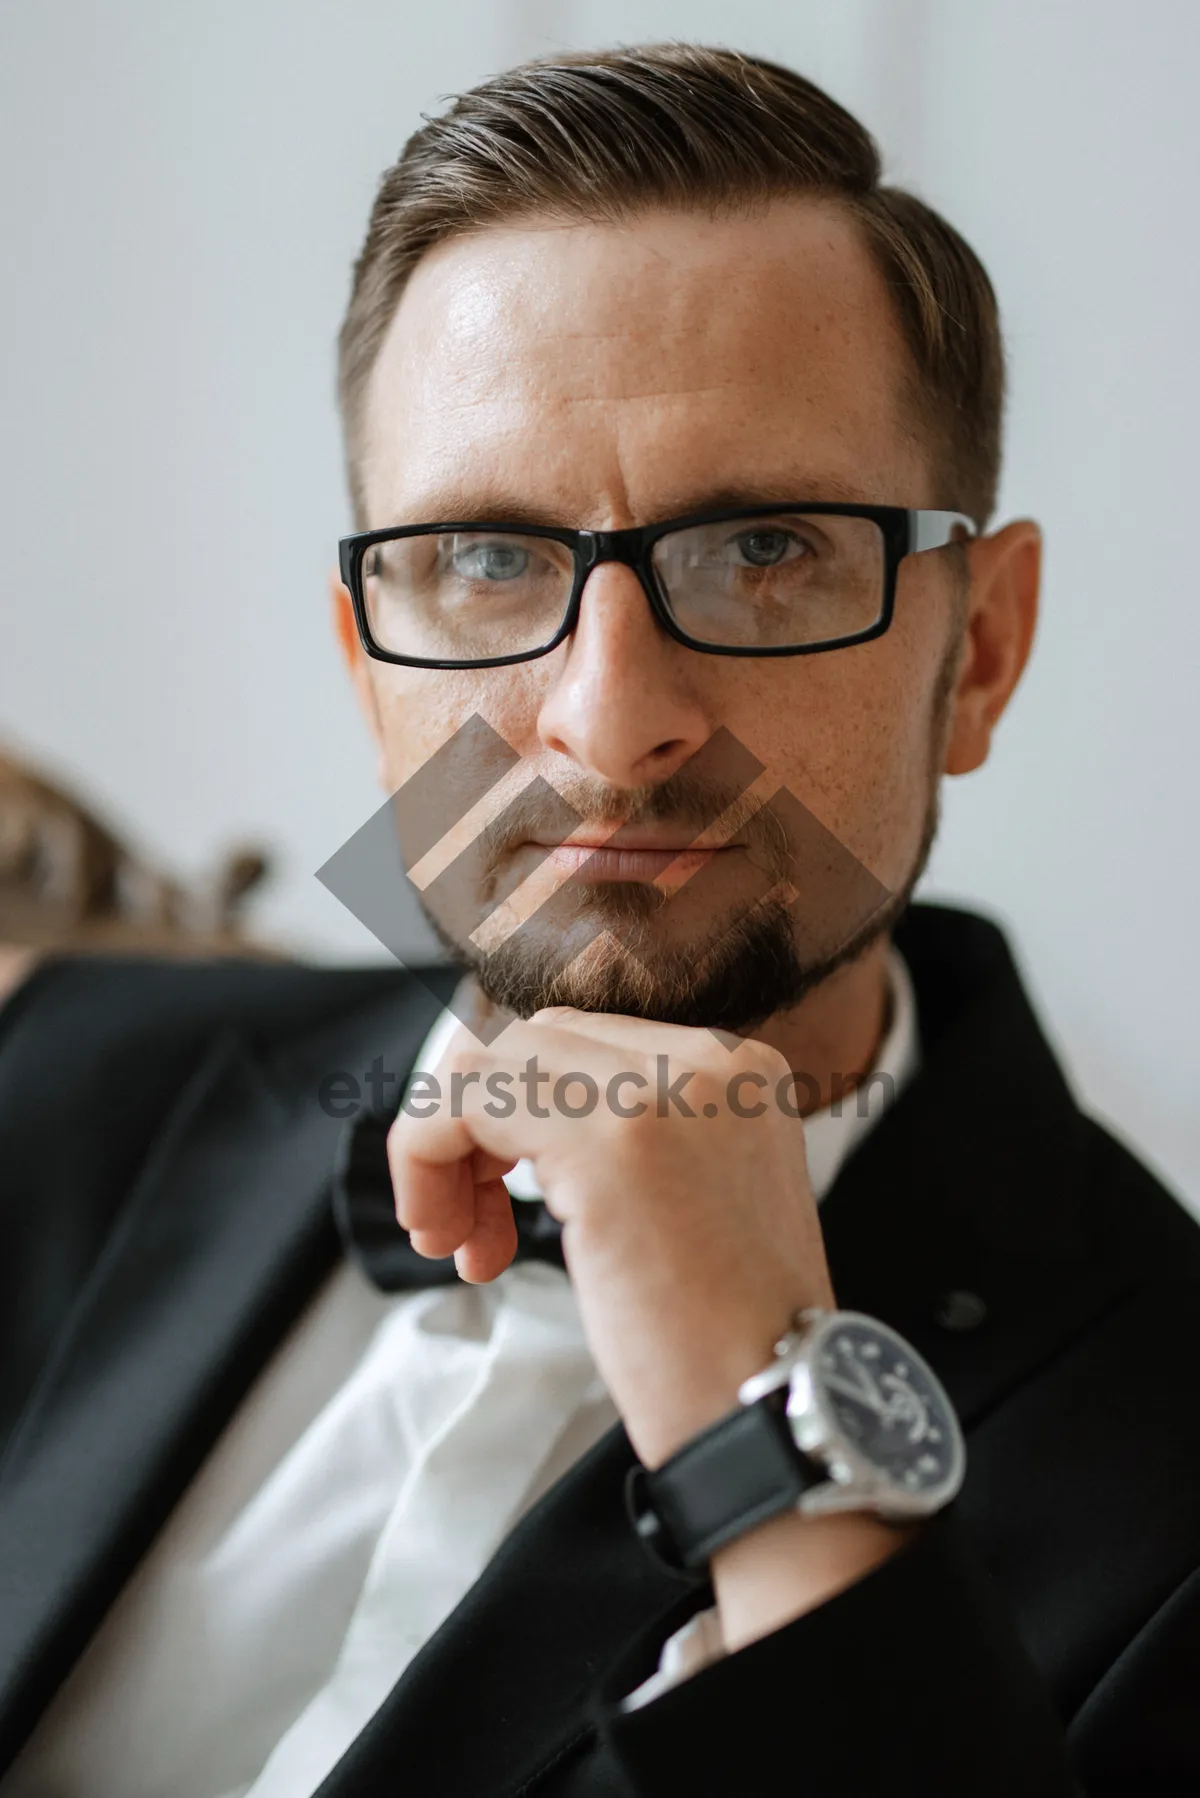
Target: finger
[[606, 1024], [437, 1206], [485, 1166], [420, 1151], [683, 1044], [435, 1199], [493, 1242], [641, 1036]]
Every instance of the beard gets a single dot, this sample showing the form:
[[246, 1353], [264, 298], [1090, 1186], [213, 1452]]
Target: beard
[[748, 970], [606, 946]]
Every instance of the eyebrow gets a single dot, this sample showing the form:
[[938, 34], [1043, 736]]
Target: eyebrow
[[493, 506]]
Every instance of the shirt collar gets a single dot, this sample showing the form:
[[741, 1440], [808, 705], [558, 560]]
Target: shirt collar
[[830, 1134]]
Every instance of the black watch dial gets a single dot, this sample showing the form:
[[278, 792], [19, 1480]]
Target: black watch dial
[[889, 1406]]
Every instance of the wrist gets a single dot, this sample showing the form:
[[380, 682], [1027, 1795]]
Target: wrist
[[695, 1379], [792, 1564], [681, 1403]]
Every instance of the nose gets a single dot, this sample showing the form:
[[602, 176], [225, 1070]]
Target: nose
[[626, 705]]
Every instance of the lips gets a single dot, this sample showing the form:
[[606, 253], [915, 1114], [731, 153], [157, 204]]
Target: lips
[[626, 836], [605, 862]]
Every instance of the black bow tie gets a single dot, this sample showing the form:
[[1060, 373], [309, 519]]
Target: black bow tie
[[364, 1210]]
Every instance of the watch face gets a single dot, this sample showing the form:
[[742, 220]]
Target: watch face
[[889, 1406]]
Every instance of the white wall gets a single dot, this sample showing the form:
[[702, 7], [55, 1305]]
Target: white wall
[[182, 190], [1065, 139]]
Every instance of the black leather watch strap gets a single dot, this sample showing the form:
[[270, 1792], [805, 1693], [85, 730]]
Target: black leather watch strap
[[731, 1477]]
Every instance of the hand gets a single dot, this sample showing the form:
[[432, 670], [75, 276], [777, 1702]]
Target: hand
[[689, 1227]]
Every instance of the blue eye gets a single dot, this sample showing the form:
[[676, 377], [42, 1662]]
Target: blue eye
[[491, 561], [765, 548]]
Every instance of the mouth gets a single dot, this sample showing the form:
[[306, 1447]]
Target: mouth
[[641, 853]]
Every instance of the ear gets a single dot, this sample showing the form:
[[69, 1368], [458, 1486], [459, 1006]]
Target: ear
[[358, 667], [1005, 575]]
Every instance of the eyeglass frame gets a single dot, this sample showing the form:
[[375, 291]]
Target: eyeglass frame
[[905, 530]]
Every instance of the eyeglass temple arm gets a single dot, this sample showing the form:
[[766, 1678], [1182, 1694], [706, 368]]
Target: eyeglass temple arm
[[933, 530]]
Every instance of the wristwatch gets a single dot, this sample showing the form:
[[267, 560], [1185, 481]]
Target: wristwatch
[[847, 1417]]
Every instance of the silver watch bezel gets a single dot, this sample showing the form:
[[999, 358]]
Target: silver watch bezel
[[854, 1483]]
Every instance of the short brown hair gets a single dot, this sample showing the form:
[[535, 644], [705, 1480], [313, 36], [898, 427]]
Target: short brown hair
[[606, 135]]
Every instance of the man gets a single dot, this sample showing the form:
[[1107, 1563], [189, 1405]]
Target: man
[[673, 440]]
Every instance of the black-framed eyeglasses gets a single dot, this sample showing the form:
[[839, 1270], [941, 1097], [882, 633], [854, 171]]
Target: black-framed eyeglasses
[[785, 580]]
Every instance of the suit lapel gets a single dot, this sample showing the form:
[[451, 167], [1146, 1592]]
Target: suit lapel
[[972, 1184], [221, 1243]]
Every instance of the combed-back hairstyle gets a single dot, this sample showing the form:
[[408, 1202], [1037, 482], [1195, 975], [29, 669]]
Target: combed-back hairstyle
[[607, 135]]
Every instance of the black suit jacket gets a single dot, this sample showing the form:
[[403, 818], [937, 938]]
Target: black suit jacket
[[166, 1168]]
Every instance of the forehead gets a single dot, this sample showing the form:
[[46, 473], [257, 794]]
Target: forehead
[[605, 370]]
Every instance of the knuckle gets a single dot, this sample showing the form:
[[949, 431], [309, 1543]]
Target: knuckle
[[772, 1062], [460, 1058], [755, 1057], [623, 1135]]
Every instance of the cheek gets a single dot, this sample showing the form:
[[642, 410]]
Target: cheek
[[849, 735], [421, 709], [887, 752]]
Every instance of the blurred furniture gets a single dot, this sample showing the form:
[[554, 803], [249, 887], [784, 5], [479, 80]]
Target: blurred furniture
[[67, 882]]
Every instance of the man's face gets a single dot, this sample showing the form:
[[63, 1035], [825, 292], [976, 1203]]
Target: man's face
[[607, 376]]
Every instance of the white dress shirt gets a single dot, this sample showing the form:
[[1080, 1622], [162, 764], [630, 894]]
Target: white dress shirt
[[358, 1492]]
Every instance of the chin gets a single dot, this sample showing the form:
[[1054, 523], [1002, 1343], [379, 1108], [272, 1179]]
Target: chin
[[733, 982]]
